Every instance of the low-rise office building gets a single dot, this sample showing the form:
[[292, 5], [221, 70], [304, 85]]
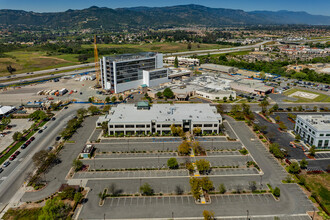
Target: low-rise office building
[[182, 61], [314, 129], [130, 119]]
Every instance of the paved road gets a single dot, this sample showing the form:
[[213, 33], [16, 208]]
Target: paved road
[[49, 71], [45, 77], [14, 175], [56, 176], [216, 51]]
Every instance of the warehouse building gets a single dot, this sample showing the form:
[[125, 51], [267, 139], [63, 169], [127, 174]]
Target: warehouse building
[[129, 71], [219, 68], [314, 129], [130, 119]]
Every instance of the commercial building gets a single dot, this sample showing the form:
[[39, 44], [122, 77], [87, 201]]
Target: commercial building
[[219, 68], [130, 119], [252, 86], [314, 129], [129, 71], [184, 61]]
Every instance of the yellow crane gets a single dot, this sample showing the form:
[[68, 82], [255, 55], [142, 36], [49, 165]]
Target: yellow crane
[[97, 64]]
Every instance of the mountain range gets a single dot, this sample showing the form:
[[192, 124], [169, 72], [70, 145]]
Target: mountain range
[[152, 17]]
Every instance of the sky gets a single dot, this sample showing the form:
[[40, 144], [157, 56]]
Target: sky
[[318, 7]]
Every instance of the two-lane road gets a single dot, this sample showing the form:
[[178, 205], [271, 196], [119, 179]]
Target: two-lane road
[[12, 178]]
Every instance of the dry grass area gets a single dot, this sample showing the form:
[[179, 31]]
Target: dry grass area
[[29, 61]]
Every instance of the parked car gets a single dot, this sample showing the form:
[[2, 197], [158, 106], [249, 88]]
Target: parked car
[[23, 146], [53, 118], [57, 138], [17, 153], [32, 139], [6, 164], [12, 157], [40, 131], [1, 170]]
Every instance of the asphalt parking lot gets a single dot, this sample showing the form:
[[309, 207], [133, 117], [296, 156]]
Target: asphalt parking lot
[[321, 155], [161, 162]]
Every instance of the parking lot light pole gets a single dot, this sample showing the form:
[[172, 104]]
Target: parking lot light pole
[[247, 214]]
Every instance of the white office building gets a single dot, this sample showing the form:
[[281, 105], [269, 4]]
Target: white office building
[[130, 119], [314, 129], [129, 71]]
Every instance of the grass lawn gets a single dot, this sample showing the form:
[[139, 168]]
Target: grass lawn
[[29, 61], [160, 47], [321, 98], [320, 183]]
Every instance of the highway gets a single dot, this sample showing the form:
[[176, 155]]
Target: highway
[[54, 70], [46, 77], [13, 176], [216, 51]]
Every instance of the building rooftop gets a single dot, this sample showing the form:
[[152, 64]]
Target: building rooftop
[[320, 122], [128, 113], [217, 67], [124, 57]]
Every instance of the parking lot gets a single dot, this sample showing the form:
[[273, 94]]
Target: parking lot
[[17, 125]]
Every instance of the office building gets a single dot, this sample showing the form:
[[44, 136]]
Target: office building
[[129, 71], [314, 129], [130, 119]]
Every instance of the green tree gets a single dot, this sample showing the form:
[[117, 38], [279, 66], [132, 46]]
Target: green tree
[[176, 62], [107, 99], [282, 125], [263, 104], [208, 215], [172, 163], [274, 148], [11, 69], [77, 165], [275, 107], [297, 137], [5, 121], [231, 97], [78, 197], [159, 95], [207, 184], [312, 151], [294, 168], [39, 157], [197, 131], [203, 165], [93, 110], [82, 112], [189, 46], [168, 93], [54, 209], [121, 98], [303, 163], [17, 136], [277, 192], [113, 99], [106, 108], [184, 148], [224, 99], [146, 190], [38, 115], [277, 118], [195, 185], [222, 188]]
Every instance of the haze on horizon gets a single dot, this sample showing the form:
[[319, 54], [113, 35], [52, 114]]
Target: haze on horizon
[[316, 7]]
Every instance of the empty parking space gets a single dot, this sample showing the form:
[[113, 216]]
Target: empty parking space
[[131, 174], [222, 153], [136, 146], [136, 155], [322, 156], [234, 171]]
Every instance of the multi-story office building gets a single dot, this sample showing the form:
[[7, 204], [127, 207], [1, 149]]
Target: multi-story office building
[[129, 71], [130, 119], [314, 129]]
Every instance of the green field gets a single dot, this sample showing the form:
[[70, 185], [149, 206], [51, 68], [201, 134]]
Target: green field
[[30, 61], [161, 47], [321, 97]]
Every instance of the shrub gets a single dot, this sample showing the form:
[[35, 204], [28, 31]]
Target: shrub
[[277, 192], [172, 163]]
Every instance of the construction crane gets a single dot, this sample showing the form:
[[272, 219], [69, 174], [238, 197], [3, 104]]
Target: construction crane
[[97, 64]]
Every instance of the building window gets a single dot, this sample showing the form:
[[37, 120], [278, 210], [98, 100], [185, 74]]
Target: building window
[[215, 125], [119, 126], [321, 135], [158, 126], [320, 143], [148, 126], [110, 126], [140, 126], [207, 125], [313, 132], [326, 143], [166, 126], [327, 135], [129, 126]]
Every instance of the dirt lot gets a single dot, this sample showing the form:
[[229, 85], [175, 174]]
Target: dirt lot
[[22, 95]]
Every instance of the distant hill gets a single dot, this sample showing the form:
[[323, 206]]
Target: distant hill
[[152, 17]]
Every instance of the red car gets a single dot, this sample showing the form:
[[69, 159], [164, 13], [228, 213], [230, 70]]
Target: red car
[[17, 153], [12, 157], [31, 139]]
